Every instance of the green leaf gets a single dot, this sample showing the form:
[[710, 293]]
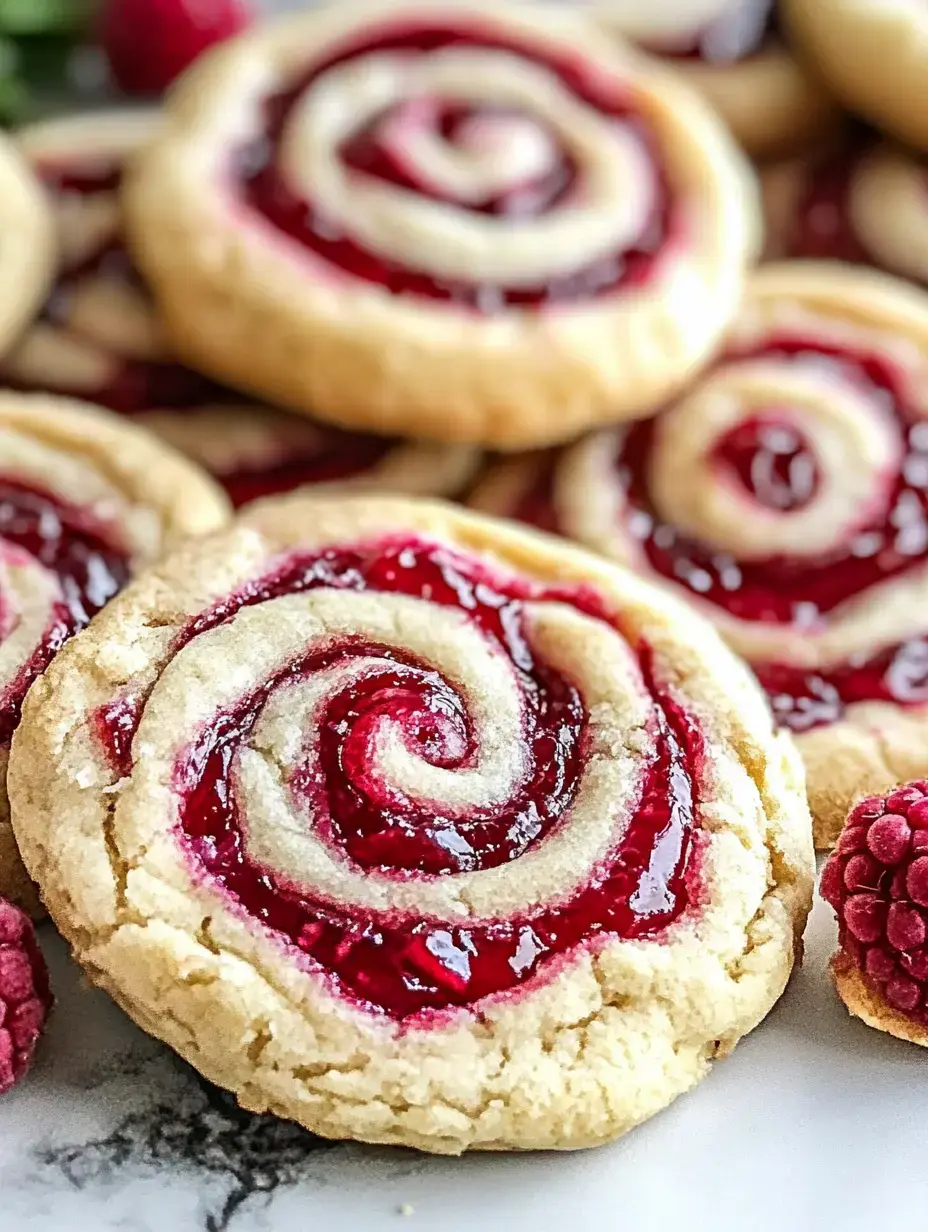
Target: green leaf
[[18, 17]]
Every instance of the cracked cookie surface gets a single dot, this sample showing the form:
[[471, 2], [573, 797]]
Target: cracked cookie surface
[[85, 500], [417, 828]]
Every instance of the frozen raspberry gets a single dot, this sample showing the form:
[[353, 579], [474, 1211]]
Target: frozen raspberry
[[150, 42], [877, 882], [25, 998]]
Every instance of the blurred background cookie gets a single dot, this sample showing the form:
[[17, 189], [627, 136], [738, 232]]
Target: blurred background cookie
[[465, 223]]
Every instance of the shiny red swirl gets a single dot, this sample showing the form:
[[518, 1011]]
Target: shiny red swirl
[[39, 528], [400, 963], [777, 469], [370, 155]]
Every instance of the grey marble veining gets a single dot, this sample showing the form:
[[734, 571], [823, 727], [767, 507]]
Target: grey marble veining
[[814, 1122]]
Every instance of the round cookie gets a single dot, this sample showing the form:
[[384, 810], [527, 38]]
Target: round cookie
[[732, 52], [863, 201], [786, 494], [417, 827], [85, 499], [450, 221], [99, 337], [873, 54], [27, 253]]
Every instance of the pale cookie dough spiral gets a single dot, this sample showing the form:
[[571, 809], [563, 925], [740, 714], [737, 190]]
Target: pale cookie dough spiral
[[493, 231], [84, 500], [833, 362], [405, 824]]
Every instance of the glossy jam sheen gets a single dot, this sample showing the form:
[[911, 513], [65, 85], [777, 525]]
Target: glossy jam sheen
[[139, 385], [770, 460], [265, 189], [69, 543], [404, 965], [804, 591], [783, 478], [737, 34]]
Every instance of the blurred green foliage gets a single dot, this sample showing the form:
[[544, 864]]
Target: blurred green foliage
[[37, 39]]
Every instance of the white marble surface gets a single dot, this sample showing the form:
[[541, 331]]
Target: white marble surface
[[814, 1123]]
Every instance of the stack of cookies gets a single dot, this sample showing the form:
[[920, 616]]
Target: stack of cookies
[[418, 823]]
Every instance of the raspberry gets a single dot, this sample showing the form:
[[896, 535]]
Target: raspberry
[[150, 42], [25, 998], [877, 881]]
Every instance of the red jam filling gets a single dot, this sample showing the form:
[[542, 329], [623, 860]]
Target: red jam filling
[[771, 461], [369, 155], [401, 964], [821, 226], [776, 468], [139, 385], [71, 544], [735, 35], [803, 592], [342, 455]]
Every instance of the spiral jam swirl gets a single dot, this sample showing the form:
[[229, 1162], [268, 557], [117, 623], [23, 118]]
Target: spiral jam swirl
[[809, 498], [448, 162], [401, 780], [58, 567]]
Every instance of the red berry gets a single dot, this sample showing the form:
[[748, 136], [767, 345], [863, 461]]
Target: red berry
[[905, 927], [916, 880], [25, 998], [877, 881], [150, 42], [889, 838], [865, 916], [903, 993], [861, 873]]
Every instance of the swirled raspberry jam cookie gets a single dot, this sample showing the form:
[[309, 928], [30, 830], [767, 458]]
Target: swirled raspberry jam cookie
[[873, 54], [457, 222], [877, 883], [731, 51], [406, 824], [864, 202], [26, 245], [100, 337], [786, 494], [85, 499]]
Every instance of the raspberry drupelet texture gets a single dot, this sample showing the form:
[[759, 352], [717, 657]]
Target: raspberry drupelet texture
[[877, 882], [150, 42], [25, 998]]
